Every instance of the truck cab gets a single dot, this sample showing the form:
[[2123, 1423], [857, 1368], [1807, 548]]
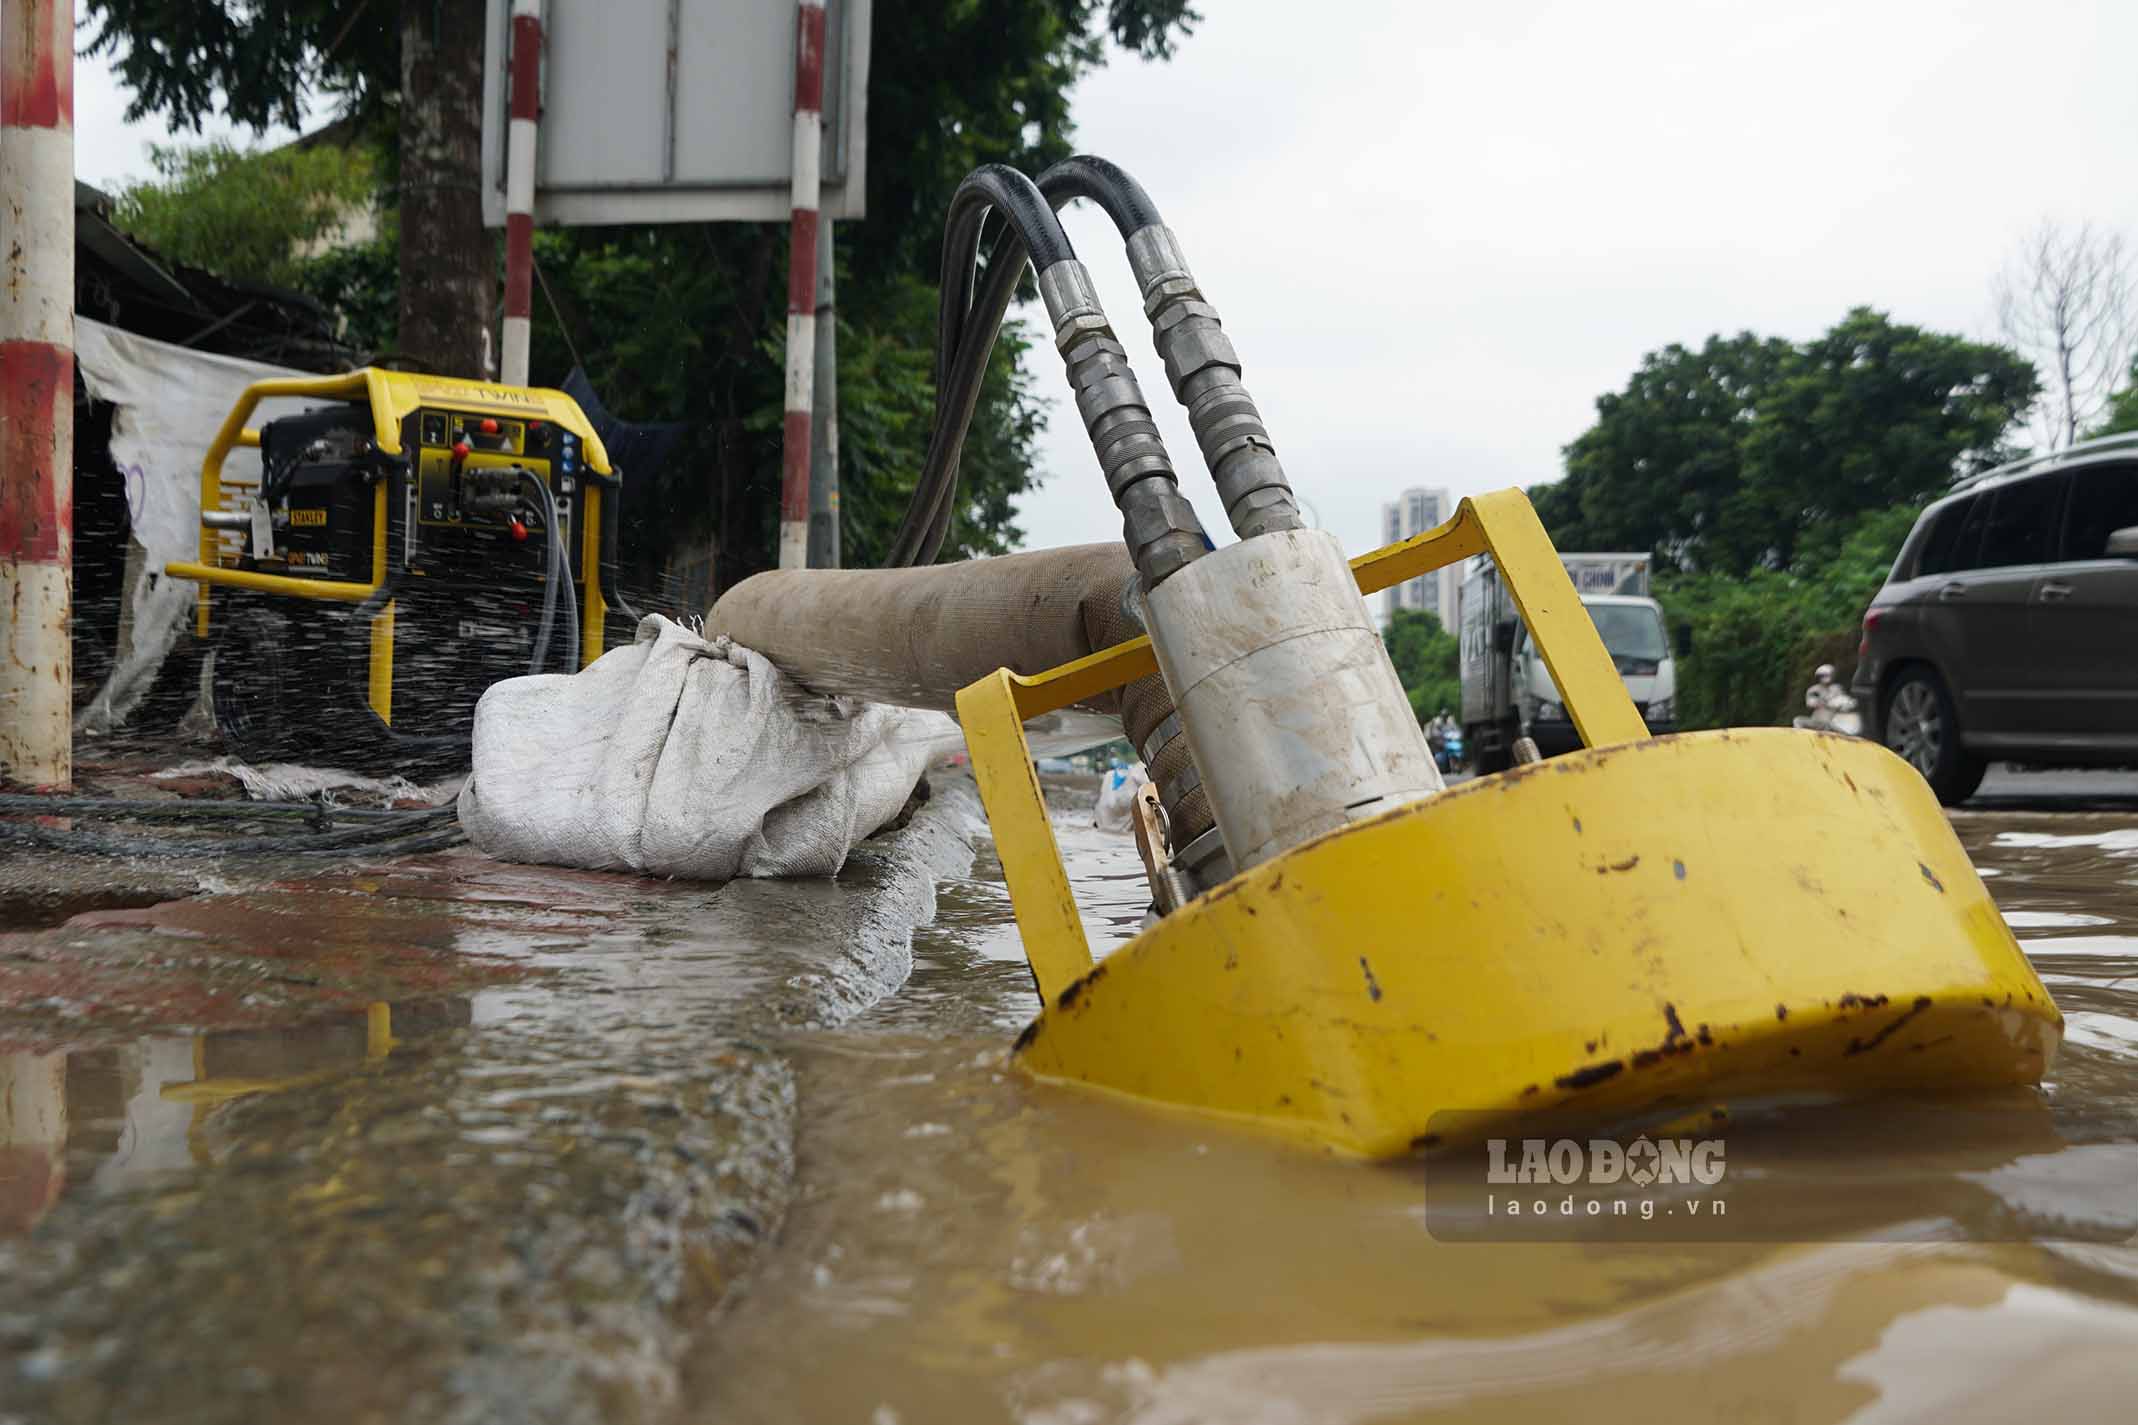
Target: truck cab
[[1632, 630], [1507, 691]]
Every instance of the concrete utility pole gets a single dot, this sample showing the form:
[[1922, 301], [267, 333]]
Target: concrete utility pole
[[520, 140], [37, 391], [824, 424], [802, 282]]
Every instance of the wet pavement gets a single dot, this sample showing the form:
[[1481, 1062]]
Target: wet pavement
[[518, 1147], [561, 1146]]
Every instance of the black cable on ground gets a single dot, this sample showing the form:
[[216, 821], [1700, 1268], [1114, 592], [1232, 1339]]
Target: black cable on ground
[[377, 831], [89, 843], [177, 809]]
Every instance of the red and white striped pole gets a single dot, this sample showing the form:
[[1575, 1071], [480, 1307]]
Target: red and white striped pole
[[526, 81], [36, 390], [802, 283]]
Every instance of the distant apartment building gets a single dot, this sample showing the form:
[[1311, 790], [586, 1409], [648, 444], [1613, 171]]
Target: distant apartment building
[[1413, 512]]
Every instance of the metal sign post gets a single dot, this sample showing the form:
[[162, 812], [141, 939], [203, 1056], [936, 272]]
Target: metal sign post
[[802, 283], [526, 73], [824, 419], [683, 111]]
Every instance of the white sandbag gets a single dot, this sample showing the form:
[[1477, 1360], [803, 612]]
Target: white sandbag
[[675, 756]]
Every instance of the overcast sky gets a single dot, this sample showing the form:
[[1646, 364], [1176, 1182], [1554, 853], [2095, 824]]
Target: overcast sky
[[1438, 231]]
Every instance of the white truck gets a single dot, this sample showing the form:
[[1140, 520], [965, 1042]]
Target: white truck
[[1506, 690]]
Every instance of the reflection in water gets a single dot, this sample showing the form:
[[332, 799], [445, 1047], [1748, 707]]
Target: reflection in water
[[973, 1246], [525, 1219], [102, 1121], [33, 1136]]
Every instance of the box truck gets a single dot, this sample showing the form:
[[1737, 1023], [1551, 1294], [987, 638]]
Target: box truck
[[1506, 690]]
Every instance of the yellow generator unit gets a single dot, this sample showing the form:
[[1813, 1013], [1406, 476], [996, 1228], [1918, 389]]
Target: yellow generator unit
[[411, 541]]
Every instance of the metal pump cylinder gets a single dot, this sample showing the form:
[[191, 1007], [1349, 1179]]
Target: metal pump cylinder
[[1285, 693]]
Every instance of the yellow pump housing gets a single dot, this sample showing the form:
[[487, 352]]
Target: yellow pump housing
[[1642, 923]]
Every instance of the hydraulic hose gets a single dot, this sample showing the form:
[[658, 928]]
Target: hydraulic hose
[[609, 562], [1160, 527], [967, 326], [560, 576], [1088, 176], [1201, 364]]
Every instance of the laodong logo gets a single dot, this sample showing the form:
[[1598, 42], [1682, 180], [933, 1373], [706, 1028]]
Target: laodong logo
[[1602, 1162]]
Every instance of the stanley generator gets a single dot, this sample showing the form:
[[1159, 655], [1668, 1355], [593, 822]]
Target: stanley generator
[[408, 544]]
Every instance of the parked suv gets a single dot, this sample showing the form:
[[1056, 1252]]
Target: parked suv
[[2008, 627]]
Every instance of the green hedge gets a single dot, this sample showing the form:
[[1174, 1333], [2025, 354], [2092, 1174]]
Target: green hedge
[[1757, 639]]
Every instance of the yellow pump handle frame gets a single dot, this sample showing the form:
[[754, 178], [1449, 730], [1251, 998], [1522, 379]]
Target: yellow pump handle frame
[[994, 709]]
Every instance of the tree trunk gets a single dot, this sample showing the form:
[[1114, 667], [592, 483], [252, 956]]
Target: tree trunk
[[448, 261]]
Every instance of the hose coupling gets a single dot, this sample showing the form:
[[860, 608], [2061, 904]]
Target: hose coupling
[[1160, 526], [1204, 370]]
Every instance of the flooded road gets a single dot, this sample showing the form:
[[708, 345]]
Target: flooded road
[[969, 1246], [671, 1152]]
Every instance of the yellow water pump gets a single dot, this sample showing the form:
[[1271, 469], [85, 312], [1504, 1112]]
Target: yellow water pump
[[1646, 922]]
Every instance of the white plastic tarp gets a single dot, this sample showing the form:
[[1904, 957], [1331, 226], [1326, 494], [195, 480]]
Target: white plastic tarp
[[171, 401], [675, 756]]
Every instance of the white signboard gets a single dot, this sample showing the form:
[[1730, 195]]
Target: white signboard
[[673, 111]]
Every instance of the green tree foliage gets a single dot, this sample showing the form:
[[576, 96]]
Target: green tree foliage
[[1775, 483], [246, 215], [1427, 662], [2122, 413], [1740, 455], [1663, 468], [1758, 636], [252, 62], [686, 323], [361, 284]]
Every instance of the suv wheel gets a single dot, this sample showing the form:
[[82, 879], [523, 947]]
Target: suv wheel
[[1921, 725]]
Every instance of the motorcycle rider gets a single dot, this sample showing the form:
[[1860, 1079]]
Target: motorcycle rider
[[1436, 737], [1831, 708]]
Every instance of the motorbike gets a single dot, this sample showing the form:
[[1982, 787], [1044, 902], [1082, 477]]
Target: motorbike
[[1838, 713]]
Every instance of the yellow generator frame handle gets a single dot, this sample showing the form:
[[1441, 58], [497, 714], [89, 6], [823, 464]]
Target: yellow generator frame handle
[[393, 396]]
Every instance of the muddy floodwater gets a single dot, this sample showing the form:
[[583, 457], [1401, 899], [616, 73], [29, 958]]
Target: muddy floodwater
[[483, 1205], [969, 1246]]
